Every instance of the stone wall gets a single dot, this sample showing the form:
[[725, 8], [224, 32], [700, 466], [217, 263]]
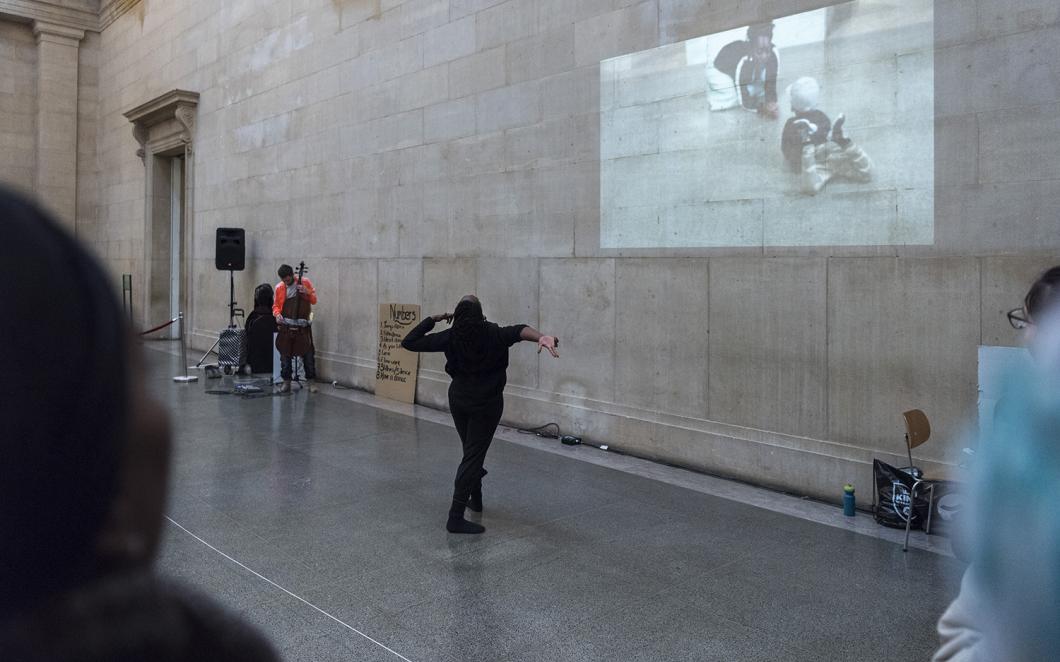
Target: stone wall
[[18, 93], [88, 164], [41, 112], [416, 151]]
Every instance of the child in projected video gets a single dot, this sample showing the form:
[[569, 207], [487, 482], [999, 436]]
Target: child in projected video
[[807, 147], [744, 74]]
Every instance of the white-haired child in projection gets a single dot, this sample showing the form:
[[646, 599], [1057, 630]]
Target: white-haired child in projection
[[808, 149]]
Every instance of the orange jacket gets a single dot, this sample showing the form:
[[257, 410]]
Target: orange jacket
[[281, 295]]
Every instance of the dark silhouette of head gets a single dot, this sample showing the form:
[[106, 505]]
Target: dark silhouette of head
[[469, 328], [468, 311], [760, 30], [84, 452], [761, 37], [263, 295]]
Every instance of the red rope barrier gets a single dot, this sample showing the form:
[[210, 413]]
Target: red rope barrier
[[159, 327]]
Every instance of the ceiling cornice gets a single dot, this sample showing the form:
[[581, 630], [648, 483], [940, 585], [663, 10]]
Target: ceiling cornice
[[70, 17], [38, 10], [112, 10]]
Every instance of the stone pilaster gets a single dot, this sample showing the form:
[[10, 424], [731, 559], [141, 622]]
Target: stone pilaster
[[57, 63]]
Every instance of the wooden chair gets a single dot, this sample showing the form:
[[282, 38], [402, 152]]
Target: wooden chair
[[917, 431]]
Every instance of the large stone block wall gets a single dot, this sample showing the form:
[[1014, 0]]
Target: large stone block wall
[[47, 104], [18, 108], [88, 165], [416, 151]]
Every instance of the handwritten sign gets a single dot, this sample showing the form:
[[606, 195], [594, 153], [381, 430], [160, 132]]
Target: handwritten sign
[[395, 374]]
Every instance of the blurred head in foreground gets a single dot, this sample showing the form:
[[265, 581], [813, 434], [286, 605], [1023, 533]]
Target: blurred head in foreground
[[1016, 517], [84, 457]]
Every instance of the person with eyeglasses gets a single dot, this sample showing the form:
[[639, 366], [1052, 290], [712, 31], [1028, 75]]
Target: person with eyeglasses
[[1042, 295], [1008, 607]]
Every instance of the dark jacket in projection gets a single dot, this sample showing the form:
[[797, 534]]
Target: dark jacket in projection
[[734, 60], [791, 140]]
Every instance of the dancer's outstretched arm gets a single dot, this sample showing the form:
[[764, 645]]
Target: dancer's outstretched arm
[[417, 339], [543, 342]]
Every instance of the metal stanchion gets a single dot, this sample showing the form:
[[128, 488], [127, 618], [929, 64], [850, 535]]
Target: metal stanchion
[[185, 378], [126, 296]]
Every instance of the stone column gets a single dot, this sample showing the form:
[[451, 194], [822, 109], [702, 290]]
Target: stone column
[[57, 59]]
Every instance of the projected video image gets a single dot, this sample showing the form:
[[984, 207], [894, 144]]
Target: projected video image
[[809, 130]]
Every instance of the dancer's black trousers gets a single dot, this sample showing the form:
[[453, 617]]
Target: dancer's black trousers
[[475, 424]]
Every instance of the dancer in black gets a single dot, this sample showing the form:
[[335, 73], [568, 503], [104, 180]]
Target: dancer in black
[[476, 355]]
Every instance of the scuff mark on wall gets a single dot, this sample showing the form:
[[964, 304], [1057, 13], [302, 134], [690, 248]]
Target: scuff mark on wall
[[375, 8]]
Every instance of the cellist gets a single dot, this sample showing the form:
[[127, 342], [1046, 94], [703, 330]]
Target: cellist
[[291, 306]]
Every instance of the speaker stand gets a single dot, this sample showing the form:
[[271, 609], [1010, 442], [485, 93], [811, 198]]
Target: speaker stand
[[208, 352], [231, 317], [231, 299]]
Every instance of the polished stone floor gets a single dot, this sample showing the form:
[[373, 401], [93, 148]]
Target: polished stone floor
[[321, 521]]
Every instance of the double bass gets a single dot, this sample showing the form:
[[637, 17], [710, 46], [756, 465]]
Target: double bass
[[295, 335]]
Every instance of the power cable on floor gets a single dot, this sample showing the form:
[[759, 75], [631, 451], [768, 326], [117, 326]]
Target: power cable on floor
[[565, 439], [540, 431], [247, 395]]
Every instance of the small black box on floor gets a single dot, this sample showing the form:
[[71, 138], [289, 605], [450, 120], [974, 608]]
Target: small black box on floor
[[232, 348]]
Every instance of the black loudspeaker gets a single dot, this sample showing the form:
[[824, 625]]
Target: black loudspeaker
[[231, 252]]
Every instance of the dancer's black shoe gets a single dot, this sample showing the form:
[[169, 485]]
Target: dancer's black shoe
[[456, 522], [461, 525]]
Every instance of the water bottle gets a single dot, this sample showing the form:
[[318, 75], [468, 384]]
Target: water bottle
[[848, 500]]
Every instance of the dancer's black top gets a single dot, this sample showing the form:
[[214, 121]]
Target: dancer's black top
[[476, 355]]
